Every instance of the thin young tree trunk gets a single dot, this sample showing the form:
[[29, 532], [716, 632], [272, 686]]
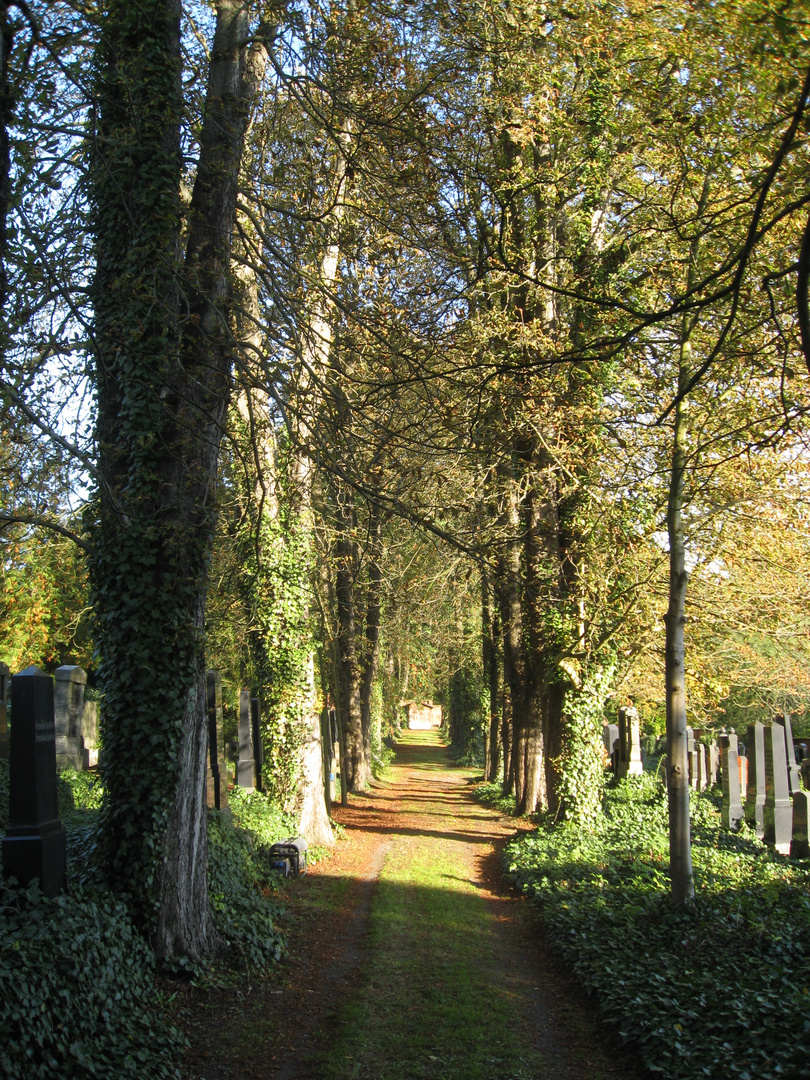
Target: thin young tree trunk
[[680, 840], [680, 847]]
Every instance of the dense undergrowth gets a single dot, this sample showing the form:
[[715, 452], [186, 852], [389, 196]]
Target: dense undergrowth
[[77, 981], [719, 992]]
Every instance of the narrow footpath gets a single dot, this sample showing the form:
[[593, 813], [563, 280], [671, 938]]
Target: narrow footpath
[[409, 957]]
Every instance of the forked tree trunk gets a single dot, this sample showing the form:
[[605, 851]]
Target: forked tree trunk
[[163, 376]]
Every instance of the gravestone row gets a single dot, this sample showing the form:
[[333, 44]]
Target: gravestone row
[[762, 787]]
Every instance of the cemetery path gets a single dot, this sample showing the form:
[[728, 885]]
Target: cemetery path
[[409, 957]]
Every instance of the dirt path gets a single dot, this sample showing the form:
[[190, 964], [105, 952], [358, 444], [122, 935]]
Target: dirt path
[[409, 958]]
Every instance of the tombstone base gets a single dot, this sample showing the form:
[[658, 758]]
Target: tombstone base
[[731, 817], [69, 752], [36, 852], [755, 816], [779, 827]]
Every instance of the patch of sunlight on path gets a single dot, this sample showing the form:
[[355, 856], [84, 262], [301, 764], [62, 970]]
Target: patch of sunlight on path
[[431, 1000]]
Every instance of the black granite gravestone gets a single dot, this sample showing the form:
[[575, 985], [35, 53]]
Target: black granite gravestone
[[800, 840], [4, 680], [217, 774], [34, 844], [256, 733]]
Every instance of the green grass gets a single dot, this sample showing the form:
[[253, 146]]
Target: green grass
[[431, 1000]]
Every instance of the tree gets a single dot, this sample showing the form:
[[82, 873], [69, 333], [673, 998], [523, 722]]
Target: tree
[[163, 359]]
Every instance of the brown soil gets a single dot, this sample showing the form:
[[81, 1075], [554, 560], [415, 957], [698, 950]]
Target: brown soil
[[268, 1028]]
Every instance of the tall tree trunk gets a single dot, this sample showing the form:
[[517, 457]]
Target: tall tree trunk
[[490, 629], [357, 776], [163, 374], [371, 651], [514, 654], [680, 840], [508, 782], [680, 848]]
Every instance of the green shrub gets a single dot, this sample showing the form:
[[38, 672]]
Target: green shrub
[[77, 992], [79, 791], [718, 992], [243, 913], [492, 795], [264, 819]]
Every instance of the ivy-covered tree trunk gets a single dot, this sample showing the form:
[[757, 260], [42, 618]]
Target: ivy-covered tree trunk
[[163, 371]]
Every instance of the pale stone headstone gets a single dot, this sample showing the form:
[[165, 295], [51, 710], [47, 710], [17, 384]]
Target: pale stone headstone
[[89, 733], [794, 772], [635, 766], [714, 762], [610, 738], [628, 760], [610, 733], [778, 812], [68, 704], [702, 767], [34, 844], [691, 758], [800, 839], [216, 786], [256, 736], [755, 790], [245, 767], [4, 685], [742, 764], [731, 811]]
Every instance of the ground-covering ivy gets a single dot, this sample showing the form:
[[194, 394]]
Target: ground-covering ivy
[[77, 989], [721, 991], [77, 996]]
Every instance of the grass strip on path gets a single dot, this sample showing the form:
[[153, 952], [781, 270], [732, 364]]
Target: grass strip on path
[[430, 1000]]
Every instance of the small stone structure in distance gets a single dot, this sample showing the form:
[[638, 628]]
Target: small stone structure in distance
[[422, 715]]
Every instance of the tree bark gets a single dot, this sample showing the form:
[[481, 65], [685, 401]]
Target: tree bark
[[357, 776], [680, 847], [371, 651], [490, 628], [163, 373]]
